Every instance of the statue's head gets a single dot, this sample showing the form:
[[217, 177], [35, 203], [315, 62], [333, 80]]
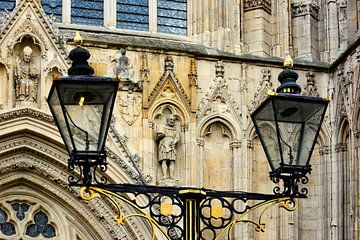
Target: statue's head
[[171, 120], [27, 53]]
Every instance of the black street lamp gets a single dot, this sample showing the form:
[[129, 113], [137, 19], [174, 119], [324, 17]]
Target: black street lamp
[[82, 107], [286, 122], [288, 125]]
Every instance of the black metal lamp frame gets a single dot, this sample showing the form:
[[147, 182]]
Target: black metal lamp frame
[[180, 212]]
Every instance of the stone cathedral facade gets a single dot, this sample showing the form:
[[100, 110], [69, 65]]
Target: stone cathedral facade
[[208, 64]]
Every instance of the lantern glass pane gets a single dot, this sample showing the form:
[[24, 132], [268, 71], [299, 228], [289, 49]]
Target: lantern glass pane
[[55, 107], [87, 109], [288, 127], [299, 121]]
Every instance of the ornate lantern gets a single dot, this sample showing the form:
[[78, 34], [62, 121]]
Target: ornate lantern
[[82, 107], [288, 125]]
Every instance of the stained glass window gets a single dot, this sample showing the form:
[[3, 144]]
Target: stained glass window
[[132, 14], [88, 12], [41, 227], [7, 228], [8, 5], [53, 7], [21, 209], [172, 16]]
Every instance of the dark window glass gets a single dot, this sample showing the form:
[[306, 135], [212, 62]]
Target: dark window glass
[[88, 12], [8, 5], [8, 229], [132, 14], [21, 209], [172, 16], [41, 227], [53, 7]]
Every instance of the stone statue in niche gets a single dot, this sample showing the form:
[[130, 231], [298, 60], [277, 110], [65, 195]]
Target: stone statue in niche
[[26, 77], [168, 137], [123, 70]]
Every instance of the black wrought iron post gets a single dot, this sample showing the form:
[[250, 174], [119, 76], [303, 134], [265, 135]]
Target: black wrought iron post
[[192, 199]]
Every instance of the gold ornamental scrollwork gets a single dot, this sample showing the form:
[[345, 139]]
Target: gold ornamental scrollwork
[[287, 203], [89, 193]]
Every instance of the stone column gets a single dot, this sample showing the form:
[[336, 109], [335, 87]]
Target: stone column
[[333, 30], [257, 17], [305, 30], [200, 151]]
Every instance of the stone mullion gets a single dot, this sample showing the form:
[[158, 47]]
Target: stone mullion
[[333, 29], [325, 158], [110, 14], [153, 16], [357, 185], [340, 148], [66, 11]]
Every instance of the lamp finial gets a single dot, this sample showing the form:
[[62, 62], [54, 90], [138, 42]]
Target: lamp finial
[[288, 62], [78, 39]]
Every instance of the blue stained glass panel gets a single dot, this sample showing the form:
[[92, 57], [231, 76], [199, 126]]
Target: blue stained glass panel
[[132, 14], [88, 12], [172, 16], [8, 5], [53, 7]]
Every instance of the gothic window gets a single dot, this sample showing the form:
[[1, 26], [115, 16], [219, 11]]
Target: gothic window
[[41, 227], [132, 14], [6, 228], [87, 12], [53, 7], [172, 16]]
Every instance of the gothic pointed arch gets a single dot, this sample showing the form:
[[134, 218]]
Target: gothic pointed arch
[[33, 158], [169, 90]]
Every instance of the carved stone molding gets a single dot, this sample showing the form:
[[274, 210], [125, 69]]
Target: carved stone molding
[[303, 9], [325, 150], [218, 100], [56, 183], [235, 144], [219, 69], [341, 147], [130, 167], [193, 81], [200, 142], [257, 4], [261, 91], [169, 78], [26, 112], [250, 144]]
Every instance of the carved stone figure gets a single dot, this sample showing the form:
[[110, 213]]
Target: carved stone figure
[[26, 77], [124, 71], [168, 136]]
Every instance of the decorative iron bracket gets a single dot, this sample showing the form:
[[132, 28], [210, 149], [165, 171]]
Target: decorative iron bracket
[[188, 213]]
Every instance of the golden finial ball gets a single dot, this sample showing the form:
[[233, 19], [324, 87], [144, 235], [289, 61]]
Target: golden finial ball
[[288, 63], [78, 39]]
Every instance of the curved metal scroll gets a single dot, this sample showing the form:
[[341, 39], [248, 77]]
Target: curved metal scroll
[[169, 226]]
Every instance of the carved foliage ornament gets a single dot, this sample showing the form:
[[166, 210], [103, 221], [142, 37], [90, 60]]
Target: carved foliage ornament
[[257, 4]]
